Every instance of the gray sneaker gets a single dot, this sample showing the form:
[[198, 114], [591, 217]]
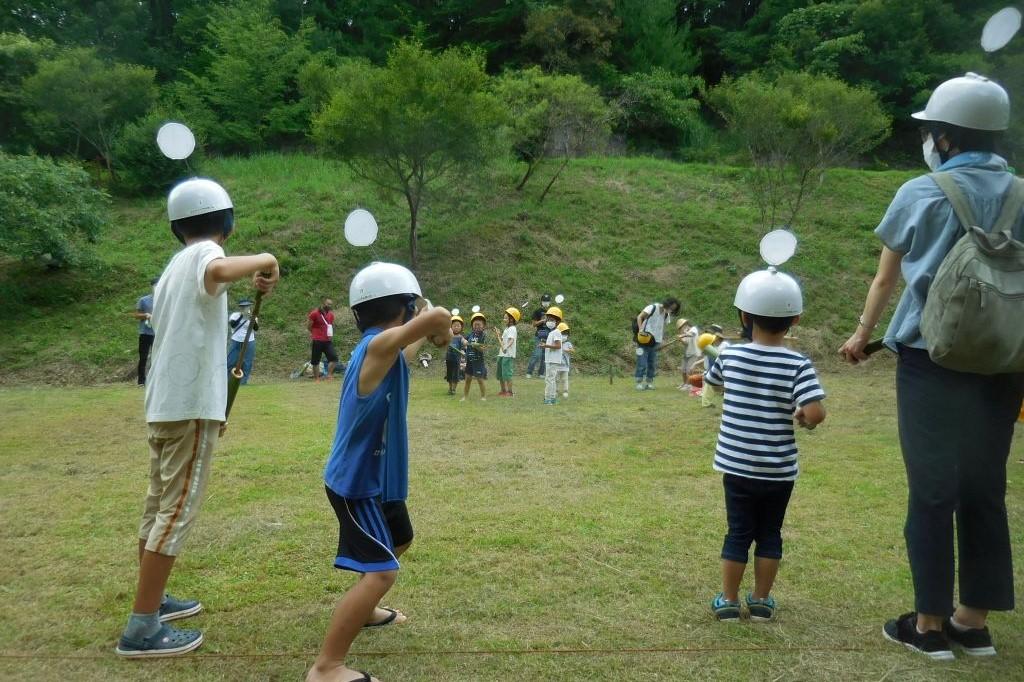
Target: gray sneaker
[[173, 609], [167, 641]]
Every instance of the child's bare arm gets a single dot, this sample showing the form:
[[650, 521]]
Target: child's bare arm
[[234, 268], [810, 415], [383, 350]]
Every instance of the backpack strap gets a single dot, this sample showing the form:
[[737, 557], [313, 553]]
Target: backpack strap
[[956, 197], [1013, 205]]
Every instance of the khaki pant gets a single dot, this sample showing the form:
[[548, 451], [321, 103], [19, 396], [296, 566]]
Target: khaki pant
[[550, 374], [709, 397], [563, 381], [180, 454]]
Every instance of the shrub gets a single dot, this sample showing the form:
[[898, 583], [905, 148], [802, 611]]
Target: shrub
[[47, 209]]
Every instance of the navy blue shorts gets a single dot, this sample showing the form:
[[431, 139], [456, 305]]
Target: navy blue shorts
[[476, 368], [755, 510], [368, 533]]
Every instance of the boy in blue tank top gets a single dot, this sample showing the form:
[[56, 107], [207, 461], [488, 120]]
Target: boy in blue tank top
[[366, 476]]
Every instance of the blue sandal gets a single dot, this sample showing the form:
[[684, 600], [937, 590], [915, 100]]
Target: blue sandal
[[167, 641]]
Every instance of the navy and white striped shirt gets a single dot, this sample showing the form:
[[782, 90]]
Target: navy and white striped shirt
[[763, 387]]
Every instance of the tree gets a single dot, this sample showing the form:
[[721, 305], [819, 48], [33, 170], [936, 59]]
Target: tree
[[47, 209], [248, 96], [649, 38], [20, 57], [77, 97], [573, 36], [405, 126], [794, 128], [552, 115], [660, 110]]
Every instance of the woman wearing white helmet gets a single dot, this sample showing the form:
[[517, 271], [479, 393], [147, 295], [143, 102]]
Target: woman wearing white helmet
[[955, 427], [366, 475]]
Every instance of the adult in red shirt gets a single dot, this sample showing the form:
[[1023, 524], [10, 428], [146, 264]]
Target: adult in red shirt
[[321, 331]]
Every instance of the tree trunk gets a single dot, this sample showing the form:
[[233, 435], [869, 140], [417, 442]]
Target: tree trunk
[[414, 209], [530, 167], [553, 178]]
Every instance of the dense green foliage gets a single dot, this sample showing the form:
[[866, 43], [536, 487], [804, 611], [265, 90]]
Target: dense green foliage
[[47, 210], [78, 101], [235, 68]]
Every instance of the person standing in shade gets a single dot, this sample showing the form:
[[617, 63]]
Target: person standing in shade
[[652, 319], [541, 332], [238, 324], [144, 313], [321, 332]]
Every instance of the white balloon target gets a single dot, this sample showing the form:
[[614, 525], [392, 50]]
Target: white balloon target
[[175, 140], [360, 228], [1000, 29], [777, 247], [559, 299]]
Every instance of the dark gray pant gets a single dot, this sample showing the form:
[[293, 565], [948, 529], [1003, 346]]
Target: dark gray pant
[[955, 432]]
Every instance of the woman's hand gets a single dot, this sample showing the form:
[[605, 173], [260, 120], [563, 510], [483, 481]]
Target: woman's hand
[[853, 350]]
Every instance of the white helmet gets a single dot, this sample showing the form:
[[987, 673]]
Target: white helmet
[[196, 196], [378, 280], [769, 293], [970, 101]]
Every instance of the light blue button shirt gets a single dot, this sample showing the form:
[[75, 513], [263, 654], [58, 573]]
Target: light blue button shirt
[[921, 225]]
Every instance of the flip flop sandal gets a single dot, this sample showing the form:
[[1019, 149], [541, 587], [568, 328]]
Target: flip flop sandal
[[389, 620]]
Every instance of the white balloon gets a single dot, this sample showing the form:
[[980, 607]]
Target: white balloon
[[175, 140], [476, 309], [1000, 28], [778, 246], [559, 299], [455, 311], [360, 228]]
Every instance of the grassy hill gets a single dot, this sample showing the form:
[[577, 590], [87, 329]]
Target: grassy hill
[[614, 234]]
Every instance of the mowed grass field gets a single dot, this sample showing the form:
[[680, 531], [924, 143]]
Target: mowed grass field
[[591, 527]]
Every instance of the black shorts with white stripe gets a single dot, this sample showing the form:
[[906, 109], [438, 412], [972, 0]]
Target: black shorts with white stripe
[[365, 539]]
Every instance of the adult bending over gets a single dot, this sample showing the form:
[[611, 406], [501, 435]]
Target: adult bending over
[[652, 320]]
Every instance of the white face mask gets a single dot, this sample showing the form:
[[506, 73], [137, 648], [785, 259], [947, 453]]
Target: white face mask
[[550, 324], [931, 154]]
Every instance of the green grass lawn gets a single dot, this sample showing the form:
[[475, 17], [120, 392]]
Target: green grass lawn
[[593, 526]]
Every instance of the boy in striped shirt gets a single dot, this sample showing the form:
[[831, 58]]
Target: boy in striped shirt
[[767, 387]]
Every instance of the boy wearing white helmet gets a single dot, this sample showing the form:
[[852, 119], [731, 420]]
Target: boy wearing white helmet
[[766, 387], [186, 396], [366, 476]]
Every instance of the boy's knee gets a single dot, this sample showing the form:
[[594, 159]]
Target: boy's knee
[[737, 546], [382, 580]]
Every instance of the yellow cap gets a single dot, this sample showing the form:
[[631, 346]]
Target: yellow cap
[[555, 311], [456, 318], [705, 340], [476, 315], [514, 312], [562, 327]]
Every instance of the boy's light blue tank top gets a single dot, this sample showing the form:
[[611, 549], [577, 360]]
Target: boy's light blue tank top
[[370, 455]]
